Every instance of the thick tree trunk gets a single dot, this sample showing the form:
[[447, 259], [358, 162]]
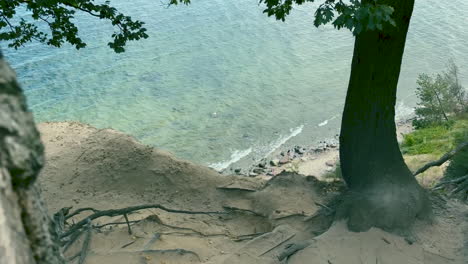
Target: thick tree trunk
[[384, 192], [25, 230]]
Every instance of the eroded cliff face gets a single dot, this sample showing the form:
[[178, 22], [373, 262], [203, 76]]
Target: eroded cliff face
[[25, 229]]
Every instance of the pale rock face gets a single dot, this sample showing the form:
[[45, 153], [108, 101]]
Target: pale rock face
[[25, 235]]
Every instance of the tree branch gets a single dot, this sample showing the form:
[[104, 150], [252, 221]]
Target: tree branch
[[442, 159]]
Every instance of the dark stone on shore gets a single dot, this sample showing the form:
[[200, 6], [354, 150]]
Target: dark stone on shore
[[262, 164], [299, 150], [284, 160], [238, 171], [274, 162], [258, 170]]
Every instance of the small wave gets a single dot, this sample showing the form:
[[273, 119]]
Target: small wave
[[403, 111], [283, 139], [260, 151], [235, 157], [325, 122]]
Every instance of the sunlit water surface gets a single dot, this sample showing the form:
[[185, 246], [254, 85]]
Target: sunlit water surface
[[218, 80]]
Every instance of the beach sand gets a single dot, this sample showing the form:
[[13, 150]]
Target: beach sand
[[106, 169]]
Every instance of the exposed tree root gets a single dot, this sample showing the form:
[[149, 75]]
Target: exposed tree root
[[460, 185], [388, 206], [463, 186], [86, 243], [75, 230], [178, 251], [441, 184], [442, 159], [127, 210]]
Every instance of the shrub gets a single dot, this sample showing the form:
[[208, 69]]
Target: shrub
[[440, 97]]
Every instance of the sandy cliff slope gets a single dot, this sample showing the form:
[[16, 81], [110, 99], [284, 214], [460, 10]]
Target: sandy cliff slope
[[106, 169]]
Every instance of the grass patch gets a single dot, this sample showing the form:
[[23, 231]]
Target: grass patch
[[436, 139]]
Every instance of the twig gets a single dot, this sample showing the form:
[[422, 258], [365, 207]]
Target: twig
[[73, 238], [128, 225], [190, 229], [234, 209], [248, 236], [115, 212], [155, 237], [442, 159], [277, 245], [59, 219], [86, 243], [178, 251], [117, 223], [463, 186], [454, 181], [291, 249], [76, 212], [324, 206], [128, 244], [70, 259]]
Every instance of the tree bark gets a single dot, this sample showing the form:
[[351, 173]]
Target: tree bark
[[383, 191], [25, 228]]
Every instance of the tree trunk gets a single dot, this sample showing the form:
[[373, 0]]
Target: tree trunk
[[383, 191], [25, 228]]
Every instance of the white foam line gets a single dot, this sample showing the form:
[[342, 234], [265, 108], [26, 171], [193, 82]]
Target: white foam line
[[283, 139], [239, 154], [325, 122], [235, 157], [402, 111]]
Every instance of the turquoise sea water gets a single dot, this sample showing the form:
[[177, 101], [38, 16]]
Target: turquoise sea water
[[218, 80]]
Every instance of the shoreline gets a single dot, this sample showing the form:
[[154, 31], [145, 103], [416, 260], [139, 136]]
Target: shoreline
[[316, 160]]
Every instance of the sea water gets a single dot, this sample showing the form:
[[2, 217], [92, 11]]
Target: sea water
[[218, 81]]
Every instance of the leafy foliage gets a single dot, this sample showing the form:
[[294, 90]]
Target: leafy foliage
[[354, 15], [58, 16], [440, 97]]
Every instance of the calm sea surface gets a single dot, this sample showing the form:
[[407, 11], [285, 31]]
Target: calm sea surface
[[219, 80]]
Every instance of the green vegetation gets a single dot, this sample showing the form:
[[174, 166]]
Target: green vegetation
[[441, 124], [436, 139], [441, 97], [441, 115], [58, 17]]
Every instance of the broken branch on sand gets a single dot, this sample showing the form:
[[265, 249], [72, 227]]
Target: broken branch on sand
[[442, 159]]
